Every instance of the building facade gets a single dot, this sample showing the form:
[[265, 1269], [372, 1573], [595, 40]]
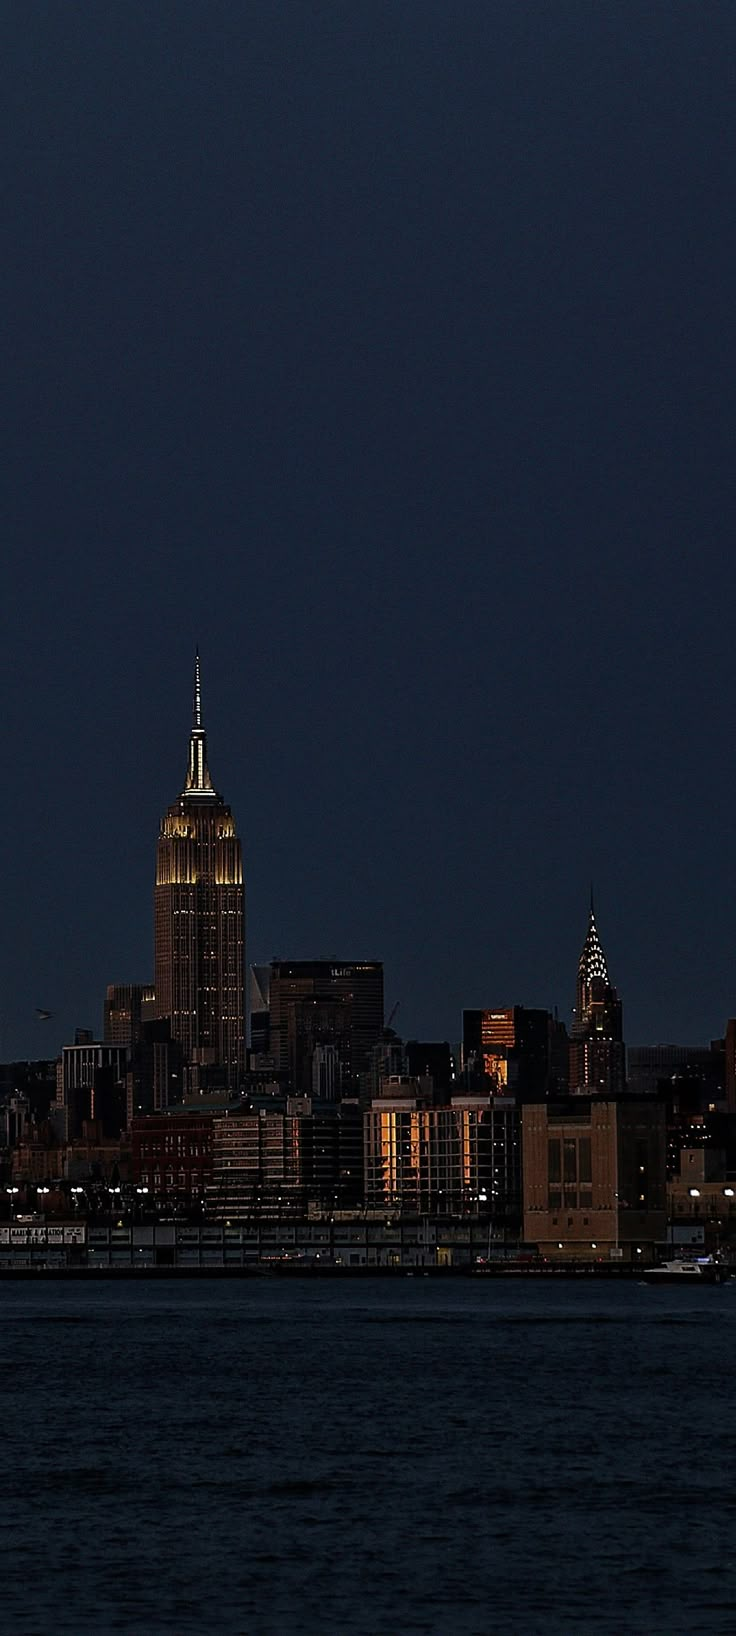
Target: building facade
[[128, 1006], [171, 1155], [91, 1085], [200, 919], [595, 1177], [324, 1002], [274, 1163], [517, 1050], [463, 1159]]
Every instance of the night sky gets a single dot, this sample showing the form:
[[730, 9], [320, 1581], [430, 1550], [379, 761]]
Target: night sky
[[386, 350]]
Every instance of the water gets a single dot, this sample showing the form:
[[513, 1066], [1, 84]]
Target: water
[[368, 1459]]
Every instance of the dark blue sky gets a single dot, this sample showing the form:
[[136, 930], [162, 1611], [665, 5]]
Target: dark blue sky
[[387, 350]]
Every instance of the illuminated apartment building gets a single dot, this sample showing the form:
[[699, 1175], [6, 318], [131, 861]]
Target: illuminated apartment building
[[464, 1159]]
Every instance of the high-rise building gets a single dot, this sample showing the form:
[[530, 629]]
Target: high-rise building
[[127, 1007], [597, 1052], [91, 1085], [696, 1068], [260, 1016], [325, 1002], [200, 918], [515, 1050]]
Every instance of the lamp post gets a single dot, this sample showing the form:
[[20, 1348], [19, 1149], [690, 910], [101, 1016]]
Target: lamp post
[[483, 1199], [42, 1191], [728, 1193], [13, 1193]]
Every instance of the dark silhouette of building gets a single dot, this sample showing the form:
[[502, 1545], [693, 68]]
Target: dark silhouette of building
[[155, 1077], [324, 1002], [516, 1050], [597, 1053], [92, 1086], [690, 1076], [730, 1065], [200, 918], [260, 1015], [431, 1059], [31, 1083], [127, 1007], [275, 1163]]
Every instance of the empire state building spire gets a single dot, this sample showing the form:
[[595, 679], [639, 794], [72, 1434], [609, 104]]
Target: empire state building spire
[[198, 781]]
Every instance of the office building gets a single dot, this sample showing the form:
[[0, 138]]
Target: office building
[[200, 919], [91, 1085], [260, 1016], [127, 1007], [597, 1052], [324, 1002], [517, 1050]]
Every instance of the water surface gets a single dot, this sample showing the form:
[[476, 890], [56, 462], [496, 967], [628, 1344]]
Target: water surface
[[461, 1457]]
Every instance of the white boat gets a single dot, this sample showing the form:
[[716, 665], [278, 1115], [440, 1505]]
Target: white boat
[[688, 1270]]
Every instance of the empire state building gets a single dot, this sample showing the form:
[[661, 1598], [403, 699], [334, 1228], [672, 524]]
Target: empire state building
[[199, 918]]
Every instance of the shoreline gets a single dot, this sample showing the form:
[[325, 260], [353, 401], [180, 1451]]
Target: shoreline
[[150, 1274]]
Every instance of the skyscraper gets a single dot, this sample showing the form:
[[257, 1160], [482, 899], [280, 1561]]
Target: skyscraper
[[325, 1002], [128, 1006], [520, 1050], [200, 918], [597, 1054]]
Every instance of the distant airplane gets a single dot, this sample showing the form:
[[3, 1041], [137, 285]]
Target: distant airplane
[[43, 1016]]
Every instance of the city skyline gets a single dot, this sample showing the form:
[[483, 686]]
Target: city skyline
[[198, 787], [199, 790]]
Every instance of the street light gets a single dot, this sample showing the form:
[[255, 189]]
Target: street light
[[12, 1191], [728, 1193], [694, 1192]]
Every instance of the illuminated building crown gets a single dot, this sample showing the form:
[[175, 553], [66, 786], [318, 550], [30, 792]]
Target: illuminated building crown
[[592, 963], [198, 781]]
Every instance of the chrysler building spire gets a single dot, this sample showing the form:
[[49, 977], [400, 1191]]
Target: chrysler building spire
[[597, 1052], [592, 962]]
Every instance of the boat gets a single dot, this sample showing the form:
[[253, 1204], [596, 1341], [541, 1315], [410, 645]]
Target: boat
[[703, 1269]]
